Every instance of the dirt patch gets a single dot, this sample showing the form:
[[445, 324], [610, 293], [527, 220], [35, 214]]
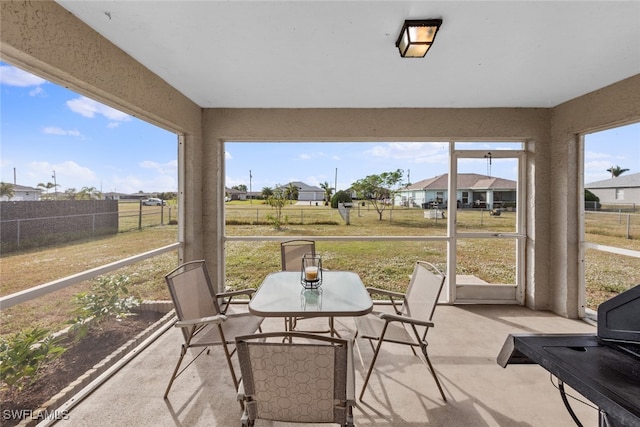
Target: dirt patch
[[78, 359]]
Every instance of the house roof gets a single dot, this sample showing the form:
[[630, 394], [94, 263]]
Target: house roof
[[342, 54], [18, 187], [302, 187], [472, 181], [626, 181], [234, 191]]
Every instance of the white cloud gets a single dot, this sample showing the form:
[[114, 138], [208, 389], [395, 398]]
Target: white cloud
[[90, 108], [69, 174], [52, 130], [132, 184], [311, 156], [12, 76], [169, 168], [227, 155], [415, 152], [37, 91]]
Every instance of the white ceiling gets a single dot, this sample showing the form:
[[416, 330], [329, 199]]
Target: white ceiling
[[303, 54]]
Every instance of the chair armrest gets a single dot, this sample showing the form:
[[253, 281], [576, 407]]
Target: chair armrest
[[385, 292], [392, 296], [228, 297], [404, 319], [232, 294], [211, 319]]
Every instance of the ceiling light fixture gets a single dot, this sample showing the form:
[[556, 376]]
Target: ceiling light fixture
[[417, 36]]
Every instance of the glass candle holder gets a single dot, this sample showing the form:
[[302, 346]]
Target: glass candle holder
[[311, 271]]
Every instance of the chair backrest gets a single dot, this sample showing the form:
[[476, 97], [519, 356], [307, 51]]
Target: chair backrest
[[423, 291], [291, 253], [304, 381], [192, 292]]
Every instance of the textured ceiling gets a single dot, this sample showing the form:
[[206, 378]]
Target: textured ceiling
[[327, 54]]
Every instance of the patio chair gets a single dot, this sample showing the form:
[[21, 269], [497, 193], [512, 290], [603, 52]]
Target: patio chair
[[203, 317], [412, 319], [291, 253], [309, 380]]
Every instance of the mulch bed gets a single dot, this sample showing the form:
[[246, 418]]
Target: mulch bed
[[79, 358]]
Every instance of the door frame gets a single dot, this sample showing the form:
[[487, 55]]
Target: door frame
[[487, 294]]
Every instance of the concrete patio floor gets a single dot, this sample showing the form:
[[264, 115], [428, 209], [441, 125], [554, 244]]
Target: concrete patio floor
[[463, 348]]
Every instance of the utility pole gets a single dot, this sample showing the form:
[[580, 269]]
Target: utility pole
[[55, 185], [250, 198], [335, 183]]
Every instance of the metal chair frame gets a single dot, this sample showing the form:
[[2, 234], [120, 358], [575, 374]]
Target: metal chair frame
[[203, 320], [411, 321]]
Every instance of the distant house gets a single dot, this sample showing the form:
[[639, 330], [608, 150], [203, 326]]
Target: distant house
[[23, 193], [474, 191], [235, 194], [622, 189], [113, 195], [308, 192]]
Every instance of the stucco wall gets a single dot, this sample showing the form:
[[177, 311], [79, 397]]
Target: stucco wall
[[608, 107]]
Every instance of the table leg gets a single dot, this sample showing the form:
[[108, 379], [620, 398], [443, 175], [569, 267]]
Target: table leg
[[332, 329]]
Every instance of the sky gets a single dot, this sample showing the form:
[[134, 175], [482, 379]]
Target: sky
[[47, 130]]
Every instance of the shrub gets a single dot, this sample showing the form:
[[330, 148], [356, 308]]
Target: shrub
[[108, 298], [340, 197], [22, 354], [590, 197]]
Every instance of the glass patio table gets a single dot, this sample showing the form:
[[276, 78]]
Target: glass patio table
[[341, 294]]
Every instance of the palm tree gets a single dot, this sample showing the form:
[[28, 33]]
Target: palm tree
[[267, 192], [616, 171], [71, 194], [328, 191], [291, 192], [7, 189], [88, 193], [48, 186]]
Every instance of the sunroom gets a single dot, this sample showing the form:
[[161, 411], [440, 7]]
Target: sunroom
[[529, 80]]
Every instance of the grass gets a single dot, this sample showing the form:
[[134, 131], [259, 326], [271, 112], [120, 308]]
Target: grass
[[385, 264], [23, 270]]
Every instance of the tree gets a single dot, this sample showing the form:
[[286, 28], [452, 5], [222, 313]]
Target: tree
[[340, 197], [71, 193], [328, 191], [88, 193], [266, 192], [378, 188], [616, 171], [590, 197], [240, 187], [48, 186], [291, 192], [7, 189], [277, 200]]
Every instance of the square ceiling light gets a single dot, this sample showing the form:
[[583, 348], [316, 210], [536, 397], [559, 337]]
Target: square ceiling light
[[417, 36]]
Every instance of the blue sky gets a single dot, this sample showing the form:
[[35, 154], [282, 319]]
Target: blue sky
[[47, 128]]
